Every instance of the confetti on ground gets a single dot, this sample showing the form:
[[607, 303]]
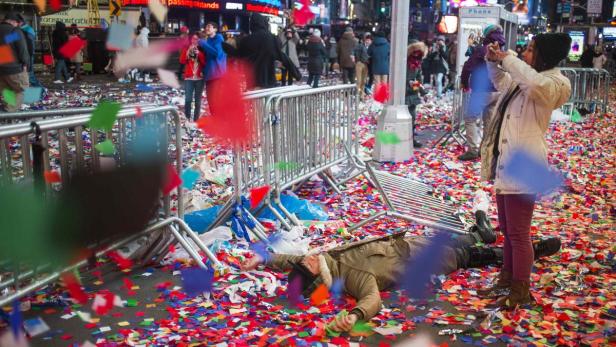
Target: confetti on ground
[[573, 289]]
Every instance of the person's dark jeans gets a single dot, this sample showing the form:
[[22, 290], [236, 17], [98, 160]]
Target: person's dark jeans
[[286, 77], [193, 90], [348, 75], [61, 70], [34, 82], [313, 80]]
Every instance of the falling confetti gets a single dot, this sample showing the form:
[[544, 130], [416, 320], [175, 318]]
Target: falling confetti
[[105, 115]]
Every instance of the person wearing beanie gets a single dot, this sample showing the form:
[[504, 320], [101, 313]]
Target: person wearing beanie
[[14, 73], [531, 89], [416, 52], [483, 96], [316, 56]]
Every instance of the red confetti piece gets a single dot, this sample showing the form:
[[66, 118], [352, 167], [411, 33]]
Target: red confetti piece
[[257, 195], [55, 5], [66, 337], [71, 48], [128, 284], [6, 54], [172, 248], [381, 93], [320, 295], [52, 177], [173, 180], [138, 112], [123, 263], [103, 303], [230, 120], [304, 15], [74, 288]]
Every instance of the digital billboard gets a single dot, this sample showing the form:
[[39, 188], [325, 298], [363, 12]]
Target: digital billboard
[[578, 39]]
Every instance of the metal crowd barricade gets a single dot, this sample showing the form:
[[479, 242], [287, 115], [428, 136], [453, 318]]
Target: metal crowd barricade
[[458, 107], [13, 117], [319, 121], [413, 201], [65, 138], [589, 89], [313, 131], [253, 163]]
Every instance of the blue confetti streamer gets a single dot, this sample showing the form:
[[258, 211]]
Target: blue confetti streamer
[[532, 173]]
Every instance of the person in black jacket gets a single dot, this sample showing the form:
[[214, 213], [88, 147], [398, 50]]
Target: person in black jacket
[[13, 72], [438, 61], [316, 56], [587, 56], [59, 37], [261, 48]]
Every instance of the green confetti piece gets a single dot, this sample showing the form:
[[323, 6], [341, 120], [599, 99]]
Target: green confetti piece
[[303, 334], [361, 327], [9, 97], [131, 303], [286, 165], [105, 115], [387, 138], [106, 147], [576, 116]]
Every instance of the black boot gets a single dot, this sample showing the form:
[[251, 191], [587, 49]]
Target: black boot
[[483, 256], [546, 247], [484, 228]]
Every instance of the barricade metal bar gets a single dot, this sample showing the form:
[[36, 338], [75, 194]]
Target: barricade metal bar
[[9, 117], [174, 224], [412, 201], [70, 144]]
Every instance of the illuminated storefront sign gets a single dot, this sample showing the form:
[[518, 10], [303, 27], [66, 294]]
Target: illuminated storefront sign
[[206, 5], [262, 9], [234, 6]]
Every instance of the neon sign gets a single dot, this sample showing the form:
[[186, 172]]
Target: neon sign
[[234, 6], [206, 5], [262, 9]]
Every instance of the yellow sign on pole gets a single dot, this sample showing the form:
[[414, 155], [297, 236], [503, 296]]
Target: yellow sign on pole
[[115, 8]]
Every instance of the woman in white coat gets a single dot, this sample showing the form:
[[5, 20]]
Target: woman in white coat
[[531, 88]]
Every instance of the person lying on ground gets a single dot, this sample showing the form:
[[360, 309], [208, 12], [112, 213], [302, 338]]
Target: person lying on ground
[[369, 266]]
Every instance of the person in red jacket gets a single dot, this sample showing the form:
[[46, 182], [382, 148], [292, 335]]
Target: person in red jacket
[[193, 60]]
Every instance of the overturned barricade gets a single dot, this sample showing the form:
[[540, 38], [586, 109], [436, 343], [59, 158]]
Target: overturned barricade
[[30, 150]]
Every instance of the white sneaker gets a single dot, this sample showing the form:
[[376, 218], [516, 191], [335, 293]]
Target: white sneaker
[[58, 82], [147, 79], [69, 80]]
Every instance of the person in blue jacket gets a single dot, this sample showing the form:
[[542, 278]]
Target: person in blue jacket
[[379, 58], [215, 57]]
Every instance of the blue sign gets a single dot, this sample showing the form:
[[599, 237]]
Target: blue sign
[[275, 3]]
